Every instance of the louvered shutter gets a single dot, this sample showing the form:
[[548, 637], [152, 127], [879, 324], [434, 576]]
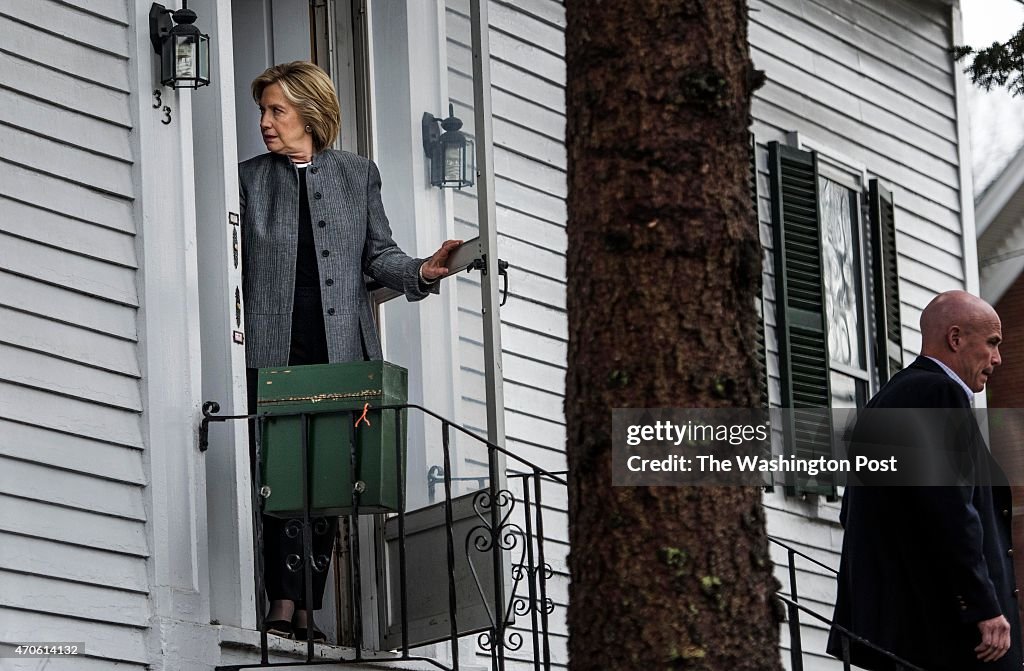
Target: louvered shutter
[[762, 348], [801, 323], [888, 326], [762, 338]]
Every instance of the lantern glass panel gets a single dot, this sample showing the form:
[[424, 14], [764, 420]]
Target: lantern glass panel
[[437, 165], [203, 48], [454, 158], [167, 62], [185, 61]]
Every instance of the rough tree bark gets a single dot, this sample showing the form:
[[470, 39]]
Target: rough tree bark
[[663, 268]]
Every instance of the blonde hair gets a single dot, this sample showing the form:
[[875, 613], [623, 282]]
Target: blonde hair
[[311, 91]]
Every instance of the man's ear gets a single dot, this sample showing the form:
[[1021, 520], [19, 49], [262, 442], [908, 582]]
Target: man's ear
[[953, 338]]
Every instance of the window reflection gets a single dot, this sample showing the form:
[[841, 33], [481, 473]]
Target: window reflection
[[847, 391], [841, 269]]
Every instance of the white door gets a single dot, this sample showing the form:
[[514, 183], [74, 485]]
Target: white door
[[330, 34]]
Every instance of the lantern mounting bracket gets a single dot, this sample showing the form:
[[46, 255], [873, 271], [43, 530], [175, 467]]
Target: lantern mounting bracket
[[431, 133], [160, 24]]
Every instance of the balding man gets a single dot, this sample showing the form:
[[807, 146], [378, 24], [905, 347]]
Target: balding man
[[927, 571]]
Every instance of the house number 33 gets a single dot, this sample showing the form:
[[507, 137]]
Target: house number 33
[[166, 110]]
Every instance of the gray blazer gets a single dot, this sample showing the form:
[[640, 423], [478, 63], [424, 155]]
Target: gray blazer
[[352, 237]]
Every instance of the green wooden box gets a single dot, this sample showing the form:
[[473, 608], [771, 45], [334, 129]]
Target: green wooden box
[[322, 391]]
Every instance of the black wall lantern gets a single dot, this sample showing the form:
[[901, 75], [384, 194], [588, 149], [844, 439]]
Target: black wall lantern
[[184, 51], [451, 152]]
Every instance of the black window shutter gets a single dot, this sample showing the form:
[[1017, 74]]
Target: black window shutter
[[801, 323], [762, 347], [762, 332], [888, 326]]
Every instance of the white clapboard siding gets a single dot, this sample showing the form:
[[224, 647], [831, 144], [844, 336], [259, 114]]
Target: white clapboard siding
[[93, 171], [72, 526], [60, 52], [870, 81], [42, 556], [91, 27], [106, 647], [37, 334], [76, 309], [69, 234], [527, 96], [64, 90], [73, 537], [69, 452], [113, 11], [815, 585], [79, 273], [39, 117]]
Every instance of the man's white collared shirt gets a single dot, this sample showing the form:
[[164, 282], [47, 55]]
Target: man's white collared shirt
[[956, 378]]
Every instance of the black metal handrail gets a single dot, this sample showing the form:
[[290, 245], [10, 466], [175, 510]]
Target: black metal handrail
[[794, 608], [495, 535]]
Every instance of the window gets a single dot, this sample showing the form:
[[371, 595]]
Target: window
[[843, 279], [826, 298]]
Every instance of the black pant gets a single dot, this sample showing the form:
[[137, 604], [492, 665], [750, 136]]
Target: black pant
[[283, 570]]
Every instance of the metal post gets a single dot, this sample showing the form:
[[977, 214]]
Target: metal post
[[530, 571], [357, 591], [542, 566], [307, 535], [403, 590], [795, 648], [257, 541], [498, 649], [487, 221], [450, 543]]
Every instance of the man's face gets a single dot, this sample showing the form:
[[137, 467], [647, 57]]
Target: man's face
[[978, 352]]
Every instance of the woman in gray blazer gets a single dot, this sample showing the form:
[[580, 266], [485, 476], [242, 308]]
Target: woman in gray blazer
[[312, 225]]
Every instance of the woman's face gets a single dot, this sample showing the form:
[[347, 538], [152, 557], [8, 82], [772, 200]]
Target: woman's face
[[282, 127]]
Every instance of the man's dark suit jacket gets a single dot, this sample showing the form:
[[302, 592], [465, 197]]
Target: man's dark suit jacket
[[921, 566]]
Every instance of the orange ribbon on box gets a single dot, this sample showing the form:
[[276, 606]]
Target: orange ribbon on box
[[363, 418]]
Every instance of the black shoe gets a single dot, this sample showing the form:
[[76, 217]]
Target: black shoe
[[300, 634], [281, 628]]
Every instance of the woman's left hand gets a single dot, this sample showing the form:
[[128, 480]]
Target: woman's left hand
[[436, 266]]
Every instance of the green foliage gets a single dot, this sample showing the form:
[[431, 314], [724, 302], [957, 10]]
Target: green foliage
[[688, 653], [710, 584], [618, 378], [723, 387], [675, 559], [707, 89], [1001, 64]]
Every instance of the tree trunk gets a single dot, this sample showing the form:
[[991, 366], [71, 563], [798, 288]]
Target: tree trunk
[[664, 266]]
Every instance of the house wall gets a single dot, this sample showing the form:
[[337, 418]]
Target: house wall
[[527, 48], [866, 82], [73, 518], [1006, 390], [870, 85]]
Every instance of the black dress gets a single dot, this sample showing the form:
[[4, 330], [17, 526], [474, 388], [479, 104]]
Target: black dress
[[283, 570]]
